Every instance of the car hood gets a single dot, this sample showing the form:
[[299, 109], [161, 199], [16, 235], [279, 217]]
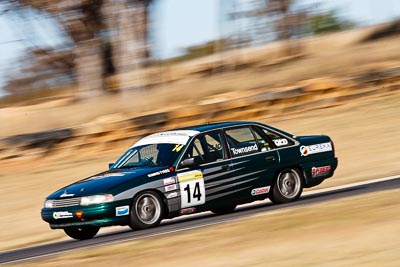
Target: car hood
[[104, 182]]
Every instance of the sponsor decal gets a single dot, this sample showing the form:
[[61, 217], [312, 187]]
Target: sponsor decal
[[122, 211], [158, 173], [177, 133], [281, 142], [260, 191], [191, 175], [187, 211], [62, 215], [172, 195], [304, 150], [170, 137], [170, 187], [314, 149], [111, 174], [246, 149], [320, 171], [177, 148], [169, 181]]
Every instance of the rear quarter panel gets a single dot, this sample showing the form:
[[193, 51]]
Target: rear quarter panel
[[316, 157]]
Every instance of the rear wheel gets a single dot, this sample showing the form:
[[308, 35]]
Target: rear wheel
[[288, 187], [224, 210], [147, 211], [81, 233]]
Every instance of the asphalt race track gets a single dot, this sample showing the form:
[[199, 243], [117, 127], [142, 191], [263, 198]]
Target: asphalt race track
[[196, 221]]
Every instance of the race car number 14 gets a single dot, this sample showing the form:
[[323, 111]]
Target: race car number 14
[[192, 188]]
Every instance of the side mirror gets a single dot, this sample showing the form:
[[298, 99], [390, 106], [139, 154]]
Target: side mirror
[[110, 165], [187, 162]]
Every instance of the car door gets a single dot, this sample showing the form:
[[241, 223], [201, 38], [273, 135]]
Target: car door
[[209, 181], [254, 160]]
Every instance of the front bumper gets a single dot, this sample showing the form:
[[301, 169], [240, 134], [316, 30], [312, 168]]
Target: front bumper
[[97, 223], [94, 215]]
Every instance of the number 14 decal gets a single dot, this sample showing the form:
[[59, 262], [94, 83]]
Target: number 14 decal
[[196, 192], [192, 189]]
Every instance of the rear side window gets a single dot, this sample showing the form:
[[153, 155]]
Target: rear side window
[[263, 143], [241, 141], [278, 139]]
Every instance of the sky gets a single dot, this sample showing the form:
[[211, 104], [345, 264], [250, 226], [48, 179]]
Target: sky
[[184, 23], [178, 24]]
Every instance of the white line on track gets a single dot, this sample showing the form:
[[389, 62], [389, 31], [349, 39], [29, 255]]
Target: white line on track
[[316, 191], [311, 192]]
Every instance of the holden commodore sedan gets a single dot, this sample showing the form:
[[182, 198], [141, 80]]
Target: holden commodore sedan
[[211, 167]]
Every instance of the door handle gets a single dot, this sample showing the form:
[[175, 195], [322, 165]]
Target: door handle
[[226, 167], [270, 158]]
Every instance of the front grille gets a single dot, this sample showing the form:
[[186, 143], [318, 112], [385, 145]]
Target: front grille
[[68, 202]]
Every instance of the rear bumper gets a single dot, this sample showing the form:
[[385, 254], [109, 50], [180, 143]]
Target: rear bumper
[[318, 171]]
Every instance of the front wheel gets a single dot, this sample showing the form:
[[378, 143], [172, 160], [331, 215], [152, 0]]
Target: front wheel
[[81, 233], [147, 211], [288, 187]]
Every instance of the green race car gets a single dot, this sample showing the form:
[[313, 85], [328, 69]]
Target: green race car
[[206, 167]]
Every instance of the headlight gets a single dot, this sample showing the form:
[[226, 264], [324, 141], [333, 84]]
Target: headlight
[[96, 199], [48, 204]]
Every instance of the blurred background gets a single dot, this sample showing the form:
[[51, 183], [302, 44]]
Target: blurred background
[[82, 80], [102, 72], [93, 47]]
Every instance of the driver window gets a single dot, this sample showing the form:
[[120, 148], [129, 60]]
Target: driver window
[[197, 149], [206, 148]]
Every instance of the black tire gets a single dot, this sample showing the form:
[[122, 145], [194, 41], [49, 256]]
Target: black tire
[[224, 210], [81, 233], [147, 211], [287, 187]]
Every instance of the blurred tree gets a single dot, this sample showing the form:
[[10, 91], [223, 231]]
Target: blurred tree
[[273, 19], [127, 28], [327, 22], [109, 36], [42, 69], [281, 9], [287, 23]]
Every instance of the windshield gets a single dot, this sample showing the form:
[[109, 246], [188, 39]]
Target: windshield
[[149, 155]]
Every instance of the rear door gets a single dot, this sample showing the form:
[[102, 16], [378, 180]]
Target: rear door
[[254, 160], [209, 182]]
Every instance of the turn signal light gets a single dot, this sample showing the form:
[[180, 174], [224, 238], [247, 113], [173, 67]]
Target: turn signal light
[[79, 214]]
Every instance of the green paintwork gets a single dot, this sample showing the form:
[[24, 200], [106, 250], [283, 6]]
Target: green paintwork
[[233, 179]]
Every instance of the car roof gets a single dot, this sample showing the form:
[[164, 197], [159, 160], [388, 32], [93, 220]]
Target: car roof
[[217, 125]]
